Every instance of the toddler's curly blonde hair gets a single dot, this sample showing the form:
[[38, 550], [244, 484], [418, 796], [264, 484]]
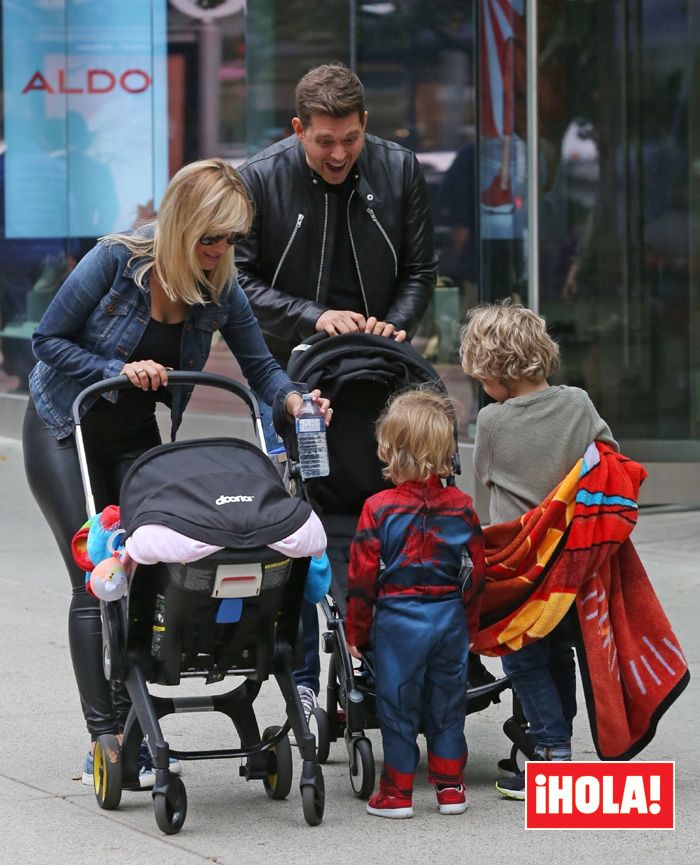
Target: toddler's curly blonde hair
[[416, 436], [506, 342]]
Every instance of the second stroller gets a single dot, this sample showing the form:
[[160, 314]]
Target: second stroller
[[360, 373]]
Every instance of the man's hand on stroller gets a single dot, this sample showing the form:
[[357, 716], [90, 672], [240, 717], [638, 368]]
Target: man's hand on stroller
[[384, 328], [295, 401], [337, 321]]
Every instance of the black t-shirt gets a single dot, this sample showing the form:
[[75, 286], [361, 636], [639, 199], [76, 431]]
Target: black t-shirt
[[133, 414], [344, 285]]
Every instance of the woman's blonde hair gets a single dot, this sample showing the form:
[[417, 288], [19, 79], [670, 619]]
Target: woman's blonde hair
[[416, 436], [204, 198], [506, 342]]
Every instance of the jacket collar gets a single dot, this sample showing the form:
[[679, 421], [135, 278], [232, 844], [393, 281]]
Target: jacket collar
[[433, 482], [367, 193], [359, 174], [129, 269]]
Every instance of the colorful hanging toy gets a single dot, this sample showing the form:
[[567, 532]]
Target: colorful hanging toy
[[99, 550]]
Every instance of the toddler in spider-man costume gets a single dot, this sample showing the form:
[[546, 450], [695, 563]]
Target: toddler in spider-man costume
[[415, 576]]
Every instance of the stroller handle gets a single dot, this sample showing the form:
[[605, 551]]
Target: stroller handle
[[178, 378], [175, 377]]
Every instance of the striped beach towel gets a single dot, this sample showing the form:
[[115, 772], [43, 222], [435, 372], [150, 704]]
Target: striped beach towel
[[574, 550]]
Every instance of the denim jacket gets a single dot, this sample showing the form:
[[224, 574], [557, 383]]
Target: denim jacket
[[97, 319]]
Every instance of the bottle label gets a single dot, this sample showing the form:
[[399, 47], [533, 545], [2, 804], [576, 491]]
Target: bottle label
[[309, 424]]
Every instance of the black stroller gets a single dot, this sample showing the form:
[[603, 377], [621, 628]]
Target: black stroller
[[235, 612], [359, 373]]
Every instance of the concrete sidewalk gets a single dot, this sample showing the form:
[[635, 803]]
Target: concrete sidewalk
[[47, 817]]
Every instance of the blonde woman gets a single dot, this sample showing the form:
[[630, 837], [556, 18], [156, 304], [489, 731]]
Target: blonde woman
[[526, 442], [416, 566], [138, 304]]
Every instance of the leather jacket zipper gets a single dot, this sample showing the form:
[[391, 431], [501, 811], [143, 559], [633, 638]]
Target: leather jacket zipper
[[386, 237], [323, 246], [300, 219], [354, 255]]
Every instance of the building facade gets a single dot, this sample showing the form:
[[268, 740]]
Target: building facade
[[560, 140]]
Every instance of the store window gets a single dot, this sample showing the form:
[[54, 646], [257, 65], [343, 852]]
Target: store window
[[617, 147], [83, 150], [618, 123]]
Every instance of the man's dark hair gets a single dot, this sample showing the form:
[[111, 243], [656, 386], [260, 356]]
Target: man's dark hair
[[331, 89]]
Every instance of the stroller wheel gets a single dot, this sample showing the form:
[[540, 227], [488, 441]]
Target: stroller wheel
[[362, 768], [278, 781], [313, 800], [320, 727], [107, 772], [171, 807]]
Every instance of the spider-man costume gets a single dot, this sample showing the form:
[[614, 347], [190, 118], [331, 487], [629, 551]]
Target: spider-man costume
[[417, 562]]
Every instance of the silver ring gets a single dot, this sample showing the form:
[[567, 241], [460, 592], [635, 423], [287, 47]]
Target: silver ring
[[139, 371]]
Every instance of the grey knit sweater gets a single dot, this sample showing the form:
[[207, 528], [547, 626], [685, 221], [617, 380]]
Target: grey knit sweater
[[527, 444]]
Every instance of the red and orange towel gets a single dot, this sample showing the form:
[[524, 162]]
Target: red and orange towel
[[575, 549]]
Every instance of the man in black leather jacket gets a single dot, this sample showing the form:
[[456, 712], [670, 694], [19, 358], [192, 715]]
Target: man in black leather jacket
[[342, 239], [341, 242]]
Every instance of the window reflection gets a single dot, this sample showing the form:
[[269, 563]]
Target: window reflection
[[615, 221]]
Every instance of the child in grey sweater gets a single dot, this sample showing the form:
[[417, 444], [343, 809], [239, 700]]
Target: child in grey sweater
[[526, 442]]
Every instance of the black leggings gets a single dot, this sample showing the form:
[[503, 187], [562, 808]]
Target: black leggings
[[53, 474]]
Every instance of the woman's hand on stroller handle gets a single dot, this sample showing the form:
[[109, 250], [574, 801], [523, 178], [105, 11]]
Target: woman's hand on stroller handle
[[294, 402], [146, 374], [355, 652]]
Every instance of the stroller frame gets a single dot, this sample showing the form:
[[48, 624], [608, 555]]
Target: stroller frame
[[268, 756]]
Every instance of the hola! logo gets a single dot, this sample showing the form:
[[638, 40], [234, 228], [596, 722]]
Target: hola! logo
[[592, 795], [227, 500]]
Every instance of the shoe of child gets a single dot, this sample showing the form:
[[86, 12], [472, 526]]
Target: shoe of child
[[451, 800], [512, 787], [308, 698], [394, 807]]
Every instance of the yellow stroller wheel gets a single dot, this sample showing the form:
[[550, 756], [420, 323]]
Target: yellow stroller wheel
[[107, 772]]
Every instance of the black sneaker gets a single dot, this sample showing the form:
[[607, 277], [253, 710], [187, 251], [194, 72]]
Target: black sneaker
[[513, 787]]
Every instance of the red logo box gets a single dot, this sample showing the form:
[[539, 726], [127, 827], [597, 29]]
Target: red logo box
[[593, 795]]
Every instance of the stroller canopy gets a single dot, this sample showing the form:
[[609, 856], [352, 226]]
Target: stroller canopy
[[223, 492], [358, 372], [335, 361]]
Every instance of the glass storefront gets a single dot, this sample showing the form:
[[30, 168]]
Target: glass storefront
[[601, 94], [619, 222]]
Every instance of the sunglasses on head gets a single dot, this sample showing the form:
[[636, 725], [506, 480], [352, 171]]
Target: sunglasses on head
[[213, 239]]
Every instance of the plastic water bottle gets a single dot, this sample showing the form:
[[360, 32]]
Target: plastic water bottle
[[311, 439]]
